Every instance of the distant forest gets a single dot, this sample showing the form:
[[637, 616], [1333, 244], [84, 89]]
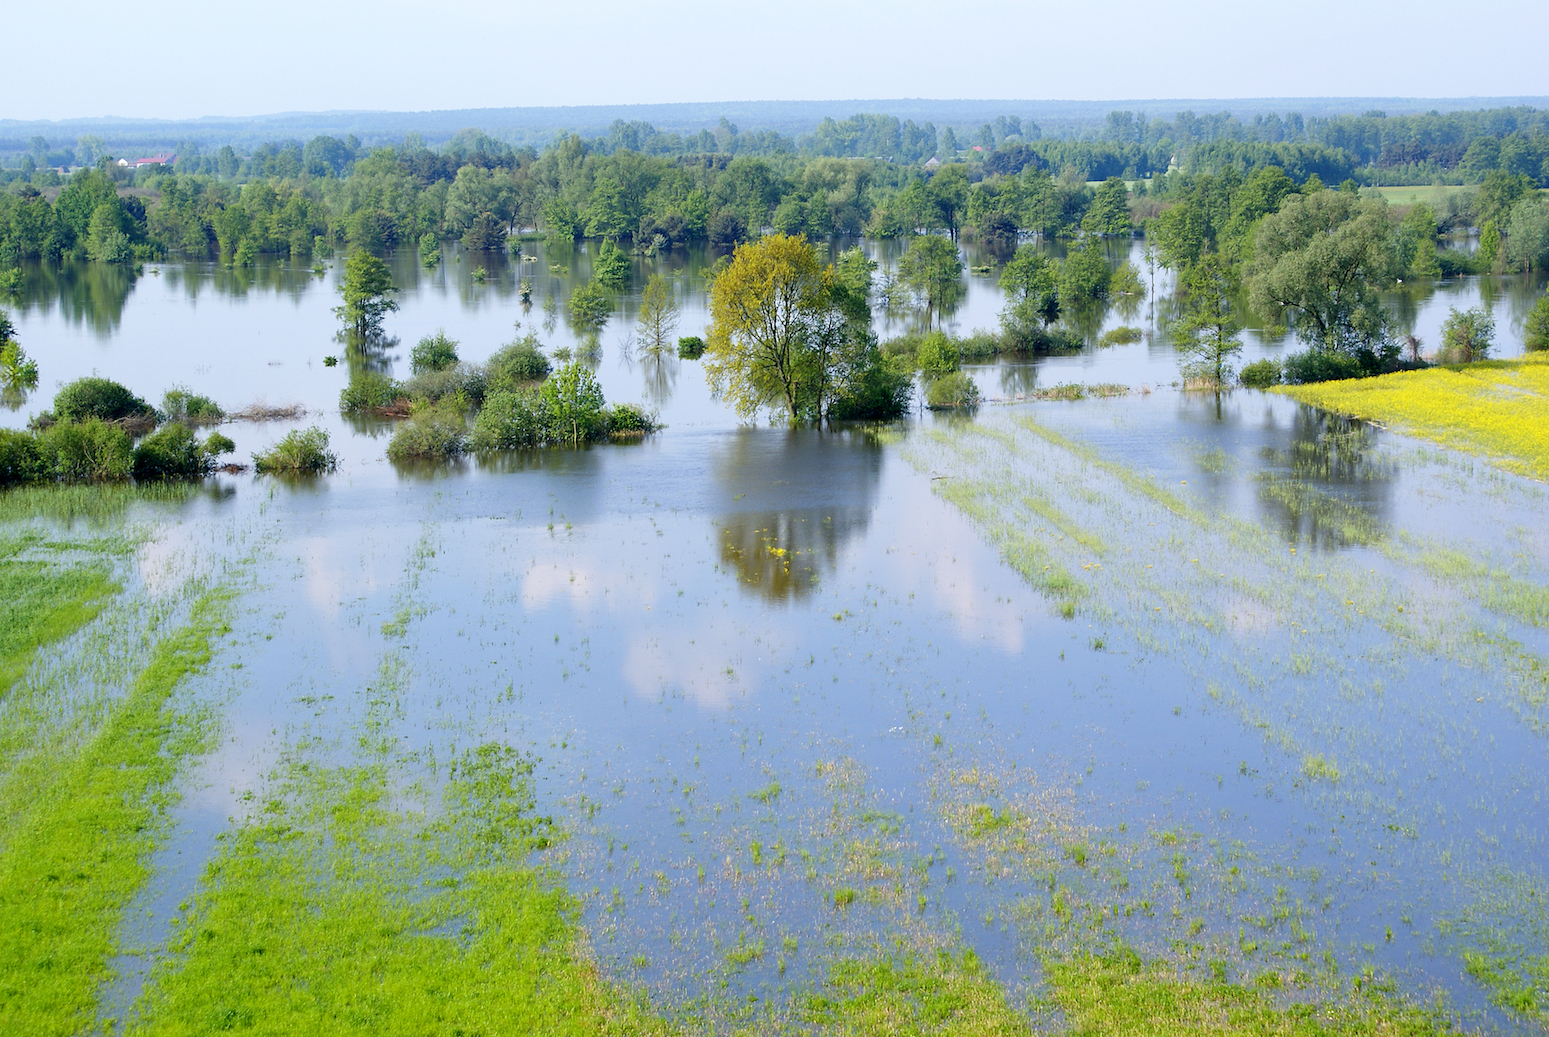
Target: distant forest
[[872, 174]]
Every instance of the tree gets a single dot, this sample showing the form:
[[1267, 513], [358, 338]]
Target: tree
[[366, 288], [1322, 261], [1207, 333], [933, 271], [1535, 330], [1030, 282], [1466, 336], [947, 194], [1109, 213], [659, 311], [590, 307], [574, 403], [763, 308]]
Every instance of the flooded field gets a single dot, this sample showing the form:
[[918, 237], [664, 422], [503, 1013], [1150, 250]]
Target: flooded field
[[1032, 718]]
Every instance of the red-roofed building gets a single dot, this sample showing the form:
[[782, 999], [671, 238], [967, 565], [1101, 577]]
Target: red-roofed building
[[165, 159]]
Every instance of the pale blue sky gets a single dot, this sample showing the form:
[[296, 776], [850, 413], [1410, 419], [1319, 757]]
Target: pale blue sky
[[174, 59]]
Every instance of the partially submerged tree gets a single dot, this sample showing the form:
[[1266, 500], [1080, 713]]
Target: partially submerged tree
[[933, 271], [1207, 333], [1466, 336], [658, 320], [367, 289]]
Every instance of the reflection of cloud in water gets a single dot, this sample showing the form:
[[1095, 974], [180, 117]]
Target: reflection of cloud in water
[[799, 498]]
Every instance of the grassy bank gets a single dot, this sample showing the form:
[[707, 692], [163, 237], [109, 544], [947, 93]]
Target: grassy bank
[[1498, 409]]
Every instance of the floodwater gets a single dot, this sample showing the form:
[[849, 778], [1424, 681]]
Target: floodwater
[[761, 667]]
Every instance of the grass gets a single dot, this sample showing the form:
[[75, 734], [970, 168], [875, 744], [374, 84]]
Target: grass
[[42, 601], [80, 854], [917, 994], [302, 451], [1498, 409]]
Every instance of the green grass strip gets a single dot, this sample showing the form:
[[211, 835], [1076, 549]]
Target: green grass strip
[[40, 603], [80, 856], [914, 995], [1137, 483]]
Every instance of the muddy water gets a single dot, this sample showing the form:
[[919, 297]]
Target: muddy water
[[763, 668]]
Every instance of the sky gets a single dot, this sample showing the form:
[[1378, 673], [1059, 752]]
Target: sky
[[175, 59]]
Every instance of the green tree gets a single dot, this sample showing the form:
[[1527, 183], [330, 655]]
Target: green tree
[[658, 320], [1207, 333], [1109, 212], [367, 289], [574, 404], [590, 307], [430, 248], [761, 311], [946, 193], [1031, 284], [1322, 261], [1084, 276], [1466, 336], [933, 270], [1535, 329], [612, 266]]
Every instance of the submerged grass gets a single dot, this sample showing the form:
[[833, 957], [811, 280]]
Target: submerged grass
[[1496, 408], [80, 853], [42, 601]]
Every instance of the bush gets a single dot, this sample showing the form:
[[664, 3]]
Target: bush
[[91, 449], [87, 398], [1466, 336], [953, 390], [433, 353], [218, 444], [171, 452], [626, 419], [189, 408], [1261, 374], [431, 435], [1321, 365], [612, 266], [371, 391], [937, 354], [882, 393], [1535, 330], [515, 365], [301, 451], [510, 419], [21, 459], [691, 347], [1120, 336], [463, 381]]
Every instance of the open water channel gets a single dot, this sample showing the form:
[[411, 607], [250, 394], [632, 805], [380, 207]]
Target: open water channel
[[798, 695]]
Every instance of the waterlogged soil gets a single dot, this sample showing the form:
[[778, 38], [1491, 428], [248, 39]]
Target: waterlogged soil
[[1243, 700]]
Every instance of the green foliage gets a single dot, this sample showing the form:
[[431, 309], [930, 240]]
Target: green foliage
[[882, 392], [1120, 336], [1466, 336], [87, 398], [21, 458], [1321, 365], [612, 266], [658, 318], [430, 248], [434, 434], [628, 420], [1109, 214], [1261, 374], [510, 420], [218, 444], [301, 452], [1207, 333], [590, 306], [465, 383], [1535, 329], [691, 347], [367, 289], [573, 402], [937, 354], [171, 452], [90, 449], [520, 363], [181, 404], [433, 353], [953, 390], [1084, 277], [933, 270], [371, 391]]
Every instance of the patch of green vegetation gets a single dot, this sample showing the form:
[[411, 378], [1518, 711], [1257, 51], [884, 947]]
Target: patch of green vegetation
[[766, 795], [1133, 481], [1320, 768], [333, 909], [917, 994], [74, 861], [1516, 981], [301, 452], [93, 503], [42, 601]]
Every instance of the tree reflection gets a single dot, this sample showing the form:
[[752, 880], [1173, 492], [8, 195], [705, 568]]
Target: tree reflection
[[87, 293], [802, 495], [1328, 487]]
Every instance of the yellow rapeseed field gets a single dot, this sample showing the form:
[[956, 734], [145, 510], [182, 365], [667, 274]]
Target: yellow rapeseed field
[[1497, 408]]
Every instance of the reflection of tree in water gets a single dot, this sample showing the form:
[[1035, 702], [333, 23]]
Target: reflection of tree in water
[[661, 377], [1327, 488], [806, 495], [1017, 378], [91, 293]]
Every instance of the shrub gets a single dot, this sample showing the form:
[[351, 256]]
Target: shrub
[[626, 419], [91, 449], [612, 266], [1261, 374], [464, 381], [301, 451], [937, 354], [189, 408], [435, 434], [87, 398], [952, 390], [882, 393], [1535, 330], [21, 459], [371, 391], [691, 347], [1120, 336], [520, 363], [590, 306], [1321, 365], [218, 444], [433, 353], [1466, 336], [509, 419], [171, 452], [978, 345]]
